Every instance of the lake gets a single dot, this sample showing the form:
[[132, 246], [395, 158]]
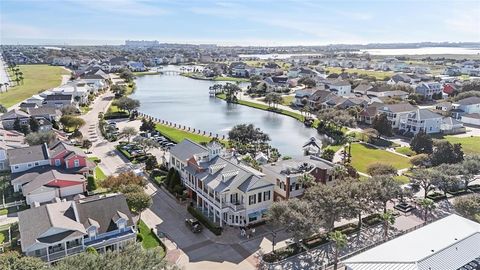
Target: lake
[[186, 101]]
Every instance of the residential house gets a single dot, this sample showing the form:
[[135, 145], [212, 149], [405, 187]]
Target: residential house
[[428, 247], [362, 88], [58, 100], [471, 118], [239, 69], [429, 89], [302, 94], [421, 120], [452, 126], [49, 113], [286, 175], [54, 231], [226, 191], [382, 91], [136, 66], [396, 113], [464, 106], [339, 87], [400, 78], [319, 97], [9, 118]]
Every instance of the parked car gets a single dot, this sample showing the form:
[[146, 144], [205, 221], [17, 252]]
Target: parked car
[[194, 225]]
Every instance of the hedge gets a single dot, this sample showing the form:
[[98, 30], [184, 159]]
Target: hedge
[[204, 220], [372, 219], [436, 196], [116, 115], [124, 152]]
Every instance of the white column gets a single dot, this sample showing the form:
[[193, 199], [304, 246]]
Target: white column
[[48, 255], [208, 210], [65, 246], [214, 215]]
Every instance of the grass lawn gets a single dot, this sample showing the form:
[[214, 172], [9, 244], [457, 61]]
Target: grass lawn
[[149, 239], [3, 236], [334, 147], [402, 179], [177, 135], [287, 100], [37, 78], [470, 145], [405, 151], [230, 79], [363, 156], [99, 174], [380, 75]]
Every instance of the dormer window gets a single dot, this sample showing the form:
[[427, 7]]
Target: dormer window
[[92, 232]]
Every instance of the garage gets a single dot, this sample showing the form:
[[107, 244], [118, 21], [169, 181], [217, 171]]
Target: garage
[[472, 119], [71, 190]]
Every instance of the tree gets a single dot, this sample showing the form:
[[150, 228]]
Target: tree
[[118, 90], [370, 135], [136, 197], [175, 180], [308, 82], [16, 125], [382, 125], [69, 110], [381, 169], [3, 109], [231, 91], [384, 188], [470, 167], [127, 104], [307, 180], [151, 163], [72, 122], [34, 125], [468, 206], [420, 160], [127, 75], [132, 256], [388, 219], [339, 240], [147, 125], [123, 179], [247, 138], [328, 154], [295, 216], [41, 137], [128, 132], [427, 205], [422, 143], [328, 202], [91, 183], [25, 129], [12, 260], [445, 152], [87, 144], [445, 177], [360, 199], [168, 178], [273, 98], [423, 178], [146, 144]]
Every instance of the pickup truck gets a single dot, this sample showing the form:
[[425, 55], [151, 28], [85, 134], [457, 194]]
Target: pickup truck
[[194, 225]]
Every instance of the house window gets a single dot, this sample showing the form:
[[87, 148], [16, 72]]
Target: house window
[[36, 163], [252, 199], [76, 163], [29, 165], [259, 195], [297, 186], [266, 195], [57, 162]]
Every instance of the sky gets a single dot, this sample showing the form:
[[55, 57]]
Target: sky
[[247, 22]]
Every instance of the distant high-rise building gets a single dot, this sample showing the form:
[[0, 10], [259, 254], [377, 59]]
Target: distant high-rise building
[[141, 43]]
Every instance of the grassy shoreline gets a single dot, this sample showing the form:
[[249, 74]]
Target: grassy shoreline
[[177, 135], [192, 75]]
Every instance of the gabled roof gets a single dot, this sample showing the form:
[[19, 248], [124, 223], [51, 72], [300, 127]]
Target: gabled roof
[[54, 97], [45, 110], [423, 114], [399, 107], [469, 101], [14, 114], [59, 146]]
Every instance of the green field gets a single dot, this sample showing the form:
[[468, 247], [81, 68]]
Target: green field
[[37, 78], [364, 155], [287, 100], [405, 151], [150, 240], [379, 75], [470, 145], [177, 135]]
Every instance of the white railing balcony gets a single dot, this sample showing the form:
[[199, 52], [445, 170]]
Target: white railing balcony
[[234, 206]]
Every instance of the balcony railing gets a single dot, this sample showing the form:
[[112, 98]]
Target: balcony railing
[[60, 253], [234, 206]]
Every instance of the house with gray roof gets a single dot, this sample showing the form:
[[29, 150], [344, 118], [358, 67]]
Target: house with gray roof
[[224, 189], [54, 231], [421, 120], [396, 113], [287, 175]]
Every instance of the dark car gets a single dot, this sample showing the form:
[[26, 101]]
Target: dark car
[[193, 224]]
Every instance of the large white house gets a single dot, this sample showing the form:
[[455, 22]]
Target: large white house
[[422, 120], [396, 113], [225, 190]]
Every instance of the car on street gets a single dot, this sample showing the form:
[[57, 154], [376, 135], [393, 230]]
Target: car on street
[[194, 225]]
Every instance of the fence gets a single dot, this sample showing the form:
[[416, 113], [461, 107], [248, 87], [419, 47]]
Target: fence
[[12, 204], [182, 127]]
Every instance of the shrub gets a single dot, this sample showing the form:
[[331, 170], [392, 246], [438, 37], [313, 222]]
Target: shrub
[[436, 196], [91, 250], [205, 221], [139, 238], [91, 183], [372, 219]]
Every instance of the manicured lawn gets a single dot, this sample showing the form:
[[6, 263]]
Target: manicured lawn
[[364, 155], [380, 75], [405, 151], [230, 79], [149, 239], [177, 135], [37, 78], [402, 179], [100, 175], [470, 145], [287, 100], [334, 147]]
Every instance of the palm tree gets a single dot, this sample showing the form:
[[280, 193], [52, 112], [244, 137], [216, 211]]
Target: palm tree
[[340, 241], [427, 205], [6, 86], [339, 171], [1, 85], [307, 180], [388, 219]]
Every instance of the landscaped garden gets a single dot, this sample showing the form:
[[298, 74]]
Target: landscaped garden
[[364, 155], [37, 78], [404, 150]]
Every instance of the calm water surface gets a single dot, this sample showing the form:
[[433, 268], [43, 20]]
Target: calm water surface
[[186, 101]]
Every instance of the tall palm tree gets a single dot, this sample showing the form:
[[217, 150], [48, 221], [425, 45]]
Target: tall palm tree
[[307, 180], [1, 85], [428, 206], [388, 219], [6, 86], [340, 241], [339, 171]]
